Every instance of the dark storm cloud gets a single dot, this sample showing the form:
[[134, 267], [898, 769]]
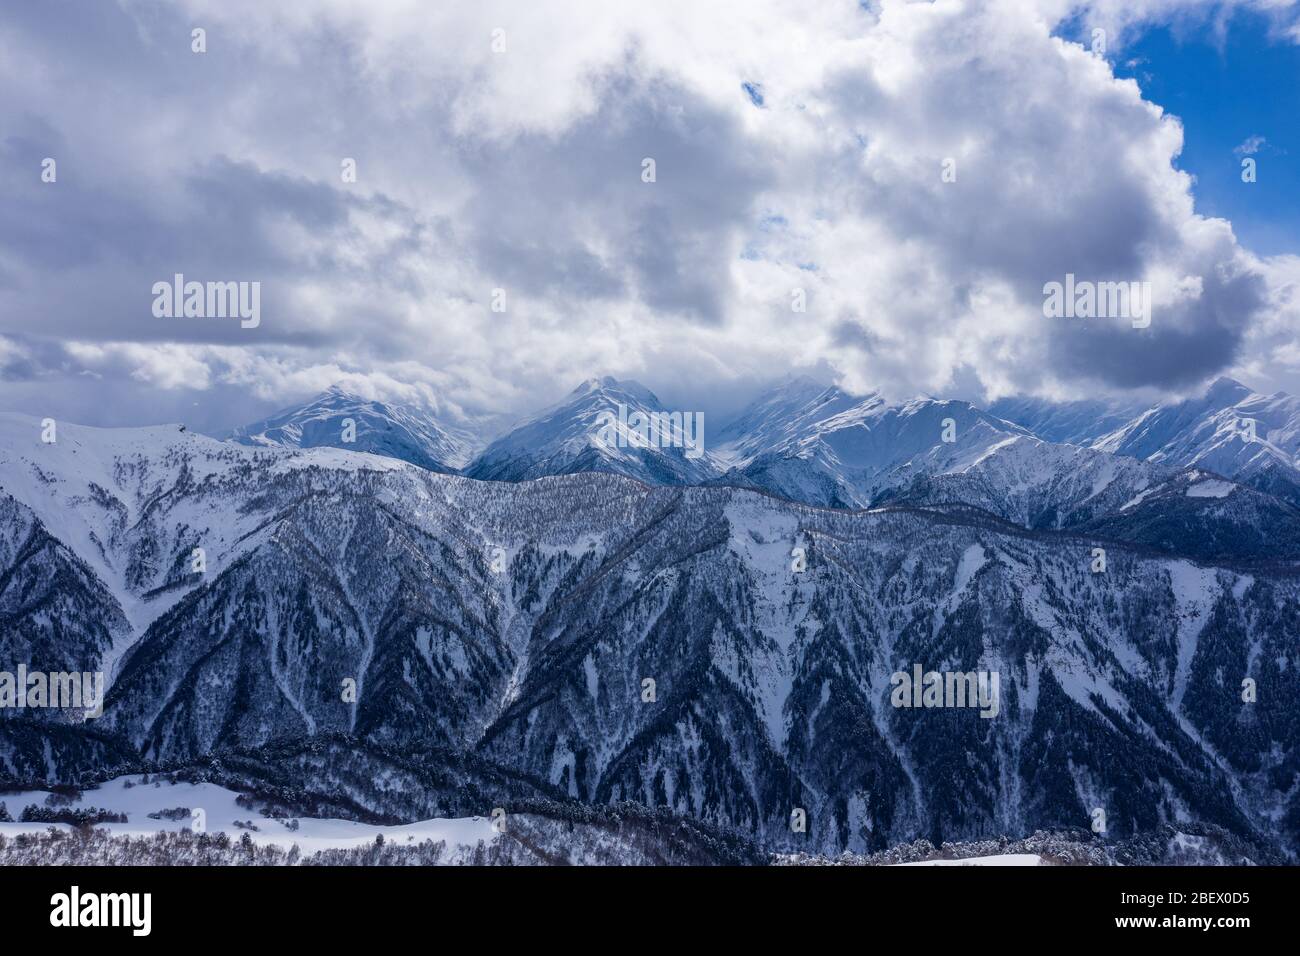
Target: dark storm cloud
[[668, 242], [90, 256], [1185, 343]]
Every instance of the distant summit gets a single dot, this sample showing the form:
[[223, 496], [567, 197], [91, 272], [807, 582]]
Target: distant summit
[[569, 437], [380, 428]]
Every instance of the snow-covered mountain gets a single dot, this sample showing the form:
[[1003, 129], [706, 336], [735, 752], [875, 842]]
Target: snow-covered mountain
[[56, 614], [779, 417], [822, 447], [834, 451], [360, 622], [818, 445], [1230, 430], [594, 429], [1200, 515], [1079, 422], [1029, 461], [405, 432]]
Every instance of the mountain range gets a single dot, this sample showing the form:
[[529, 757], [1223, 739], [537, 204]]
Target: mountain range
[[1229, 430], [715, 637], [1212, 476]]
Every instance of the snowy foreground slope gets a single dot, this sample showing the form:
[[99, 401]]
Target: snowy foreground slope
[[368, 640], [164, 818], [160, 819], [179, 806]]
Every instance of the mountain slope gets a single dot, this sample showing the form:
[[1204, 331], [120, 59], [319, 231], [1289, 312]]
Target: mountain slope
[[1079, 422], [850, 456], [771, 687], [1230, 430], [45, 585], [926, 452], [397, 431], [1198, 514], [778, 417], [819, 446], [568, 438]]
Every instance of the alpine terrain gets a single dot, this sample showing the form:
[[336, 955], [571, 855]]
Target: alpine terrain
[[691, 659]]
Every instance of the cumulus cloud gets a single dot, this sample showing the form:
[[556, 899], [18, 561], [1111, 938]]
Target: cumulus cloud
[[916, 172], [1122, 20]]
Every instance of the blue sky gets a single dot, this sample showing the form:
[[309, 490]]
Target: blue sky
[[1225, 89]]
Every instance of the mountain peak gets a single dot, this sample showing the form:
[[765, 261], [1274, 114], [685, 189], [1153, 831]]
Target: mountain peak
[[339, 390], [408, 433], [566, 438], [789, 410], [1227, 390], [608, 383]]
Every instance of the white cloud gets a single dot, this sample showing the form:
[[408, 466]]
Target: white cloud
[[521, 170], [1250, 146]]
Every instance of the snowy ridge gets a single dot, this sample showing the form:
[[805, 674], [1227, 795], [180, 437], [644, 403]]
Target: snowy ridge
[[399, 431], [1230, 431]]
